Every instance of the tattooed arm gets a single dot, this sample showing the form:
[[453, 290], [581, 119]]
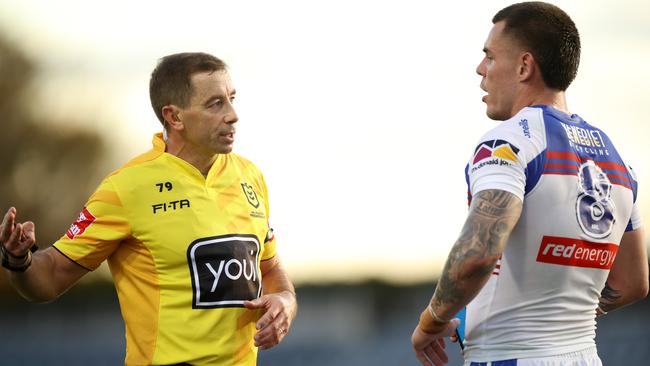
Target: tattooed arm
[[492, 216], [628, 278]]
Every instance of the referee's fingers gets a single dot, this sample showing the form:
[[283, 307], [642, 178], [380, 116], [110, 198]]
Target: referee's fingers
[[7, 224], [29, 236], [271, 336], [258, 303], [268, 317], [14, 239]]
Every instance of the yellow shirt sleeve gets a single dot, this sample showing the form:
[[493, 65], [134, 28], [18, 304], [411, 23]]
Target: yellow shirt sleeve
[[269, 241], [99, 229]]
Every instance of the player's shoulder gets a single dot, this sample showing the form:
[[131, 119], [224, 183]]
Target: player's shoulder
[[524, 133], [525, 125]]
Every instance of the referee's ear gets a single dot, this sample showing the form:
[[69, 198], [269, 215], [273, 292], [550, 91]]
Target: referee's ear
[[171, 116]]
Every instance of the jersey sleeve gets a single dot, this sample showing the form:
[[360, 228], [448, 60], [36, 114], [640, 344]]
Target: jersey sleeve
[[505, 156], [497, 164], [635, 220], [269, 240], [99, 229]]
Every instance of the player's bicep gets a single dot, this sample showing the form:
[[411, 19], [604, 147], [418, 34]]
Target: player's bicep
[[492, 216]]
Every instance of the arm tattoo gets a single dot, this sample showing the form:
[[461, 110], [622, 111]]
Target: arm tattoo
[[493, 214], [609, 298]]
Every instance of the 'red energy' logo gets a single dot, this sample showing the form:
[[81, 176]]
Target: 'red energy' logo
[[576, 253], [83, 221]]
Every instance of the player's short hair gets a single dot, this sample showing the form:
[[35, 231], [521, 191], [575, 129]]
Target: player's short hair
[[170, 81], [549, 34]]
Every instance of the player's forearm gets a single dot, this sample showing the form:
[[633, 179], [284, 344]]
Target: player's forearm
[[627, 281], [460, 283], [614, 297], [493, 215]]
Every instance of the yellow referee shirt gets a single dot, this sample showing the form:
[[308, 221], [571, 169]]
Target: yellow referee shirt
[[184, 251]]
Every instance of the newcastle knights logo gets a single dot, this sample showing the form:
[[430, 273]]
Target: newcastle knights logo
[[250, 194]]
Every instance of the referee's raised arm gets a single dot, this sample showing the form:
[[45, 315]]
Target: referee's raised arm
[[38, 276]]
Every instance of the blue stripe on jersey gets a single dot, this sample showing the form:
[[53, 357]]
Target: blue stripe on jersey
[[629, 226], [495, 363], [505, 363], [561, 171], [469, 193], [563, 162], [619, 181], [634, 184], [534, 171]]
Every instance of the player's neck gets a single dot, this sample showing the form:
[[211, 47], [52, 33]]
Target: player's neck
[[543, 96]]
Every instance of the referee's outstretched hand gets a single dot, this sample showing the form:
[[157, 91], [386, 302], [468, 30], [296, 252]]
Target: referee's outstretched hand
[[17, 238], [279, 310]]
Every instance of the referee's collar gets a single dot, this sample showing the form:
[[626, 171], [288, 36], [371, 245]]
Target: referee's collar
[[158, 142]]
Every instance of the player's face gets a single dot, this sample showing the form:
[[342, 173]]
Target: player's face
[[499, 69], [209, 121]]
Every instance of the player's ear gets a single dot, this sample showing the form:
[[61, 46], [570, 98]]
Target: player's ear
[[170, 114], [527, 66]]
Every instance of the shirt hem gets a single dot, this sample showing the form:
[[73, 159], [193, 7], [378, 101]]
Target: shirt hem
[[488, 356]]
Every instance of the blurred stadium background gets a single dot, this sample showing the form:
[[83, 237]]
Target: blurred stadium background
[[50, 163], [343, 325]]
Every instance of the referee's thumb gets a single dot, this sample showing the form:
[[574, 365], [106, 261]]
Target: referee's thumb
[[254, 304]]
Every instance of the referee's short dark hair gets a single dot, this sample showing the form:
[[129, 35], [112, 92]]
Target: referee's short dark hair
[[549, 34], [170, 81]]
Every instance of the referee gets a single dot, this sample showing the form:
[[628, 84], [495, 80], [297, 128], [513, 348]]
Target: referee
[[185, 230]]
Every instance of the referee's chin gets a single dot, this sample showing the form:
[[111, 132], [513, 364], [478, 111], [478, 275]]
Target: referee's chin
[[224, 149]]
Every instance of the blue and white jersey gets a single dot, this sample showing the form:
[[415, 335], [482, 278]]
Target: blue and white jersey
[[579, 197]]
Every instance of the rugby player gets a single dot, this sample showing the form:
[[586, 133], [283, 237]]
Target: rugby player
[[553, 237]]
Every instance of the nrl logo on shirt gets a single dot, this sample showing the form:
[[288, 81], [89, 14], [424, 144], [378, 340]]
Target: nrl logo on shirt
[[250, 194], [494, 152]]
